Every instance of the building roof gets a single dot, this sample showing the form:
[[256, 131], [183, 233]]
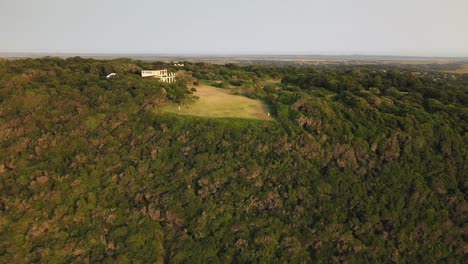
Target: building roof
[[110, 75], [157, 69]]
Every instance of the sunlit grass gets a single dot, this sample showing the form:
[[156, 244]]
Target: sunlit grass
[[217, 102]]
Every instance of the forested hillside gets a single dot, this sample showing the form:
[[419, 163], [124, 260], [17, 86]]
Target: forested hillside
[[359, 165]]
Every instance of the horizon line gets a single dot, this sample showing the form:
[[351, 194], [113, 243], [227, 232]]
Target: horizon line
[[64, 54]]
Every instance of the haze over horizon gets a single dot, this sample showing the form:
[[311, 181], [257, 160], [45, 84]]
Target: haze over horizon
[[257, 27]]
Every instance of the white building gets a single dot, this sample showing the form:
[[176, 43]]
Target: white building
[[110, 75], [159, 73], [178, 64]]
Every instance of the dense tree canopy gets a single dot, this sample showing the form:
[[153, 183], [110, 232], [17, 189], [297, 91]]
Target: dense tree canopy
[[361, 164]]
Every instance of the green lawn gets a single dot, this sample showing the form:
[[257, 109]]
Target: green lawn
[[217, 102]]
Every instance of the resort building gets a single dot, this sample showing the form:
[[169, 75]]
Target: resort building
[[159, 73]]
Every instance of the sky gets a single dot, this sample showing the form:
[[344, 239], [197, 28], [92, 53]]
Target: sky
[[219, 27]]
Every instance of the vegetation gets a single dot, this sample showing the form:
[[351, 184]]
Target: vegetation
[[363, 165]]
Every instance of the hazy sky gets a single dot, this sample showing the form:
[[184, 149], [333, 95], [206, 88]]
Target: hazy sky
[[376, 27]]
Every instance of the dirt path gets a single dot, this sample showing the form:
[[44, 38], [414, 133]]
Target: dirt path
[[217, 102]]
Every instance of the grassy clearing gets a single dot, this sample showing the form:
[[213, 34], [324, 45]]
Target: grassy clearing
[[462, 70], [216, 102]]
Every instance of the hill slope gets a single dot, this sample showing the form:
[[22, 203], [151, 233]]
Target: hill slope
[[362, 166]]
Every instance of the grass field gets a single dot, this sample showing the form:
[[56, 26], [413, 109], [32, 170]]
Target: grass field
[[216, 102], [462, 70]]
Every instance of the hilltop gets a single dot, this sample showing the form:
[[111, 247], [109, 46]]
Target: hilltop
[[362, 163]]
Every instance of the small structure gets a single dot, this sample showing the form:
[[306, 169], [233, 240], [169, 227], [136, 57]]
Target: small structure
[[159, 73], [110, 75], [179, 64]]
